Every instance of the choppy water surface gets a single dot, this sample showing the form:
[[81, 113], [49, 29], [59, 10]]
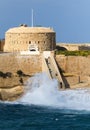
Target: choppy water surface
[[43, 107]]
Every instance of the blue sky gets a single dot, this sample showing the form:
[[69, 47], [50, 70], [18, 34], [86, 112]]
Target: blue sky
[[69, 18]]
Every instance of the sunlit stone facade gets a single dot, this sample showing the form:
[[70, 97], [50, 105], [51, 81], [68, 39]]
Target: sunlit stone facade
[[25, 38]]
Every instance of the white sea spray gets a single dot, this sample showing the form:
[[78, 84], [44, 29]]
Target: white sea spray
[[40, 90]]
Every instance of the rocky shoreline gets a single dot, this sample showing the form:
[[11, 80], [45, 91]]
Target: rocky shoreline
[[12, 88], [16, 70]]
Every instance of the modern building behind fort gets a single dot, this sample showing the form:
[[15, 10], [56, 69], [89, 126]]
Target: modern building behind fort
[[24, 38]]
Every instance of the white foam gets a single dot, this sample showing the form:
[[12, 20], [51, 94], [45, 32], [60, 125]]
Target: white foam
[[40, 90]]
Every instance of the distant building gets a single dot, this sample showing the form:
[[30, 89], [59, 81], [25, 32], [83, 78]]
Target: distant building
[[24, 38], [73, 46]]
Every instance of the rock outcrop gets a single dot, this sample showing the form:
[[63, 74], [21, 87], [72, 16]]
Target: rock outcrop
[[12, 88], [11, 94]]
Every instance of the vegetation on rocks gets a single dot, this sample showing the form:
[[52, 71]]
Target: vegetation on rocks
[[73, 53], [5, 75], [12, 85]]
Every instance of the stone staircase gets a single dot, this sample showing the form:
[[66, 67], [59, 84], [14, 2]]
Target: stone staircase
[[50, 67]]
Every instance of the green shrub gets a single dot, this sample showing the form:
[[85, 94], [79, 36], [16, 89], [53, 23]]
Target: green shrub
[[73, 53], [20, 73], [5, 75]]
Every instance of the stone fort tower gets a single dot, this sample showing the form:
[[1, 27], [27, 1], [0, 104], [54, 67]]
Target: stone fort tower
[[24, 38]]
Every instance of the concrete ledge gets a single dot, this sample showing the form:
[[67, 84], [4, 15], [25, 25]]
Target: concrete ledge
[[80, 85], [30, 53]]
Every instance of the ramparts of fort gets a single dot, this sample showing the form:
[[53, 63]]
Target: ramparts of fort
[[30, 50], [75, 70]]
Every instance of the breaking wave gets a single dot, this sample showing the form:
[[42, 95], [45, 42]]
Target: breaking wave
[[40, 90]]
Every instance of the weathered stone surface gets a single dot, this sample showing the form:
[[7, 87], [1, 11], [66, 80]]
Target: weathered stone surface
[[9, 82], [21, 38], [12, 93], [14, 62], [73, 80], [12, 82], [78, 66]]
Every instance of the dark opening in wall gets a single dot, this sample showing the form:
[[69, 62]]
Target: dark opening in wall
[[29, 42], [60, 48], [32, 50]]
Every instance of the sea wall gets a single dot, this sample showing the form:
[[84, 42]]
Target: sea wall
[[11, 82], [30, 65], [75, 68]]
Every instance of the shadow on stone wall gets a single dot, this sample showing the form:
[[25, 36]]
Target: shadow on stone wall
[[58, 48], [67, 85], [20, 73], [13, 79], [83, 47], [5, 75], [2, 43]]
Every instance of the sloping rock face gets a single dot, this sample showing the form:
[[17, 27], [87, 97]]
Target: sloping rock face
[[11, 94], [12, 88]]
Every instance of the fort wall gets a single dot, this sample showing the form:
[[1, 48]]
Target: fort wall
[[75, 68], [29, 38], [12, 87], [74, 64], [14, 62]]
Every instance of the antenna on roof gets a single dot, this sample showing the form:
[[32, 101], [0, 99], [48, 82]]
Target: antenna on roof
[[32, 18]]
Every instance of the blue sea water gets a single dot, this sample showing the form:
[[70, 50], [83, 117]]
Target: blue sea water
[[44, 107], [24, 117]]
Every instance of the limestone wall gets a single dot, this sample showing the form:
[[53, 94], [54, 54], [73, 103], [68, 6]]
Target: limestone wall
[[13, 63], [74, 64], [12, 87], [22, 38], [21, 42], [75, 68]]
